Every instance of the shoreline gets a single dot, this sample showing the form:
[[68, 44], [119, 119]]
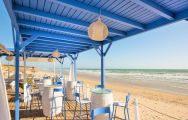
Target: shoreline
[[159, 85]]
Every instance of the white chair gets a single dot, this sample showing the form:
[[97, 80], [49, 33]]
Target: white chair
[[124, 105]]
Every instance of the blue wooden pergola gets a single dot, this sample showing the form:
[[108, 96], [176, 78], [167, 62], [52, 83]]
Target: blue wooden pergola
[[41, 26]]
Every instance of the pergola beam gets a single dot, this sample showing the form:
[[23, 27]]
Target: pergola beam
[[54, 17], [95, 10], [8, 5], [57, 45], [50, 50], [28, 41], [154, 7], [53, 48], [159, 23], [51, 27], [54, 28], [57, 36], [48, 42], [58, 41]]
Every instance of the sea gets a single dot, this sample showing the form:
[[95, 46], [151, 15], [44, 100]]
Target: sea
[[170, 80]]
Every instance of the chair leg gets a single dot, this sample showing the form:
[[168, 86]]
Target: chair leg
[[52, 108], [87, 112], [64, 109], [80, 111], [128, 114], [115, 112], [38, 101], [125, 115], [31, 102], [27, 104], [75, 110]]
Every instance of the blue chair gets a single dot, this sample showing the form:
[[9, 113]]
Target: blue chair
[[81, 102], [99, 111], [79, 87], [98, 86], [62, 90], [57, 83], [124, 105]]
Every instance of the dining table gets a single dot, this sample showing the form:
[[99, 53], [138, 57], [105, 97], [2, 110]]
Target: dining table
[[47, 100], [70, 89], [101, 97]]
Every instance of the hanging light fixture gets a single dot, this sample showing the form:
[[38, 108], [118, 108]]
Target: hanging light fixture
[[9, 58], [56, 53], [50, 60], [97, 30]]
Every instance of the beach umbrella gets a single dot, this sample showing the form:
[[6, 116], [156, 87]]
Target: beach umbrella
[[50, 60], [56, 53], [97, 30], [9, 58]]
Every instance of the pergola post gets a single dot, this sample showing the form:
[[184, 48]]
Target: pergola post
[[25, 77], [54, 69], [102, 53], [102, 68], [61, 65], [17, 76], [72, 73], [74, 68], [24, 57]]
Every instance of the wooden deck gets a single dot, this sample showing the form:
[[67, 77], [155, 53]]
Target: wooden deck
[[36, 114]]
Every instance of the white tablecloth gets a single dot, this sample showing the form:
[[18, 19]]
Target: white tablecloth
[[101, 100], [47, 101], [43, 83], [70, 89]]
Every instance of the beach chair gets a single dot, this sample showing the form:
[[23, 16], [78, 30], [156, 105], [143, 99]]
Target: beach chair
[[81, 102], [124, 105], [99, 111], [62, 90]]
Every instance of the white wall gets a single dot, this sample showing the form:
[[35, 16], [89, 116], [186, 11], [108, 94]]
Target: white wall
[[4, 107]]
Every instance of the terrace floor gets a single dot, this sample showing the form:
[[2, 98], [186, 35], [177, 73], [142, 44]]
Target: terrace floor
[[36, 114]]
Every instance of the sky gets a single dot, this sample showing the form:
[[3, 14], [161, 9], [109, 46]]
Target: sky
[[162, 48]]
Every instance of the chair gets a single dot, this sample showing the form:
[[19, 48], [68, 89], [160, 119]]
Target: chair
[[99, 111], [98, 86], [122, 104], [79, 87], [81, 102], [58, 83], [30, 96], [55, 90]]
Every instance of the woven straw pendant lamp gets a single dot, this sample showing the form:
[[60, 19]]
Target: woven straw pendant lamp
[[97, 30]]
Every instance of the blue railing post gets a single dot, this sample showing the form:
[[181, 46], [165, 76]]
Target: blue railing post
[[102, 67], [17, 76]]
